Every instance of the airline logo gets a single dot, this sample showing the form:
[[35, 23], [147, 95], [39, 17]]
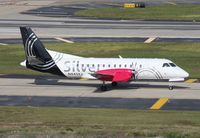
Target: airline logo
[[31, 54]]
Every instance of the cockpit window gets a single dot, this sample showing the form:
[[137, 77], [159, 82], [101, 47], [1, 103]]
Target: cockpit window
[[172, 64], [169, 65], [165, 65]]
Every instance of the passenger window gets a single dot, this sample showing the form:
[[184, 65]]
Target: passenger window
[[109, 65], [172, 64], [125, 66], [120, 65], [115, 65], [165, 65]]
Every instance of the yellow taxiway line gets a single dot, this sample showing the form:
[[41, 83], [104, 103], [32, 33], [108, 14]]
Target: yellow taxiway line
[[191, 80], [83, 79], [159, 103]]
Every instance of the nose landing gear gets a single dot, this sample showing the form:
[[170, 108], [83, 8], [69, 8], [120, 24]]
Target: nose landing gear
[[171, 87]]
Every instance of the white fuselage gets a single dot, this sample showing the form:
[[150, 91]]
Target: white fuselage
[[143, 68]]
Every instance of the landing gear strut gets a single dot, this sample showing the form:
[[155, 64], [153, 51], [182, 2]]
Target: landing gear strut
[[171, 87], [103, 87], [114, 83]]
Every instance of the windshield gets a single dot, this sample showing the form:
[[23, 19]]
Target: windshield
[[169, 65], [165, 65], [172, 64]]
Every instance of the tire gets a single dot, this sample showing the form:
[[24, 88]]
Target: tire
[[103, 88], [114, 83], [171, 87]]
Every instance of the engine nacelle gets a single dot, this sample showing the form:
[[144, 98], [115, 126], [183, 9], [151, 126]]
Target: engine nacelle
[[115, 75]]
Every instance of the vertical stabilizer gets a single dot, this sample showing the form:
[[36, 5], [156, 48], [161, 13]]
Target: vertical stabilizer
[[37, 57]]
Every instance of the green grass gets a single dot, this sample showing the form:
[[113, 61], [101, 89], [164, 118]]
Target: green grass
[[161, 12], [186, 55], [40, 121]]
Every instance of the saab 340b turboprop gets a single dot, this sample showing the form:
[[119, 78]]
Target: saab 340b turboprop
[[114, 70]]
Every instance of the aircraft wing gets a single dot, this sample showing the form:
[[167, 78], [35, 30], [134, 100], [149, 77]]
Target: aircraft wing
[[114, 75]]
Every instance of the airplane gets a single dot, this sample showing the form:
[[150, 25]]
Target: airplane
[[114, 70]]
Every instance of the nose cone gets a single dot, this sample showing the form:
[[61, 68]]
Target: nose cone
[[185, 74]]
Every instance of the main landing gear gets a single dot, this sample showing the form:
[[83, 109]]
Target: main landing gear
[[104, 87], [114, 83]]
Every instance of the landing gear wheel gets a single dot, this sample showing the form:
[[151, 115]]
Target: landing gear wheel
[[171, 87], [103, 88], [114, 83]]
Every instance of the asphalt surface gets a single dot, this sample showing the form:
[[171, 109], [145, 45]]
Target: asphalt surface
[[34, 91], [77, 102], [58, 92], [101, 39], [88, 102], [102, 24], [101, 28], [75, 27], [68, 10], [50, 27]]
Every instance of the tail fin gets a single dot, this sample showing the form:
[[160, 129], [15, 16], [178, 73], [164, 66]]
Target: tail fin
[[37, 57], [33, 46]]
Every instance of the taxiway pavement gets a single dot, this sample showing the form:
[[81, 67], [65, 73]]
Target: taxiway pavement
[[86, 93], [90, 88], [11, 18], [76, 93], [101, 28]]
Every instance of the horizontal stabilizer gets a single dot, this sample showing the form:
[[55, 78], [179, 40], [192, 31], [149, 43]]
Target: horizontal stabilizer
[[32, 60]]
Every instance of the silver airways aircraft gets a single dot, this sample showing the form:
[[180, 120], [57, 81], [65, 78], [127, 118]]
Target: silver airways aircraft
[[114, 70]]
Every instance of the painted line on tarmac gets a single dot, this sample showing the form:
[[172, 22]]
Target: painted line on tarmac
[[64, 40], [159, 103], [4, 44], [149, 40], [83, 79], [172, 3], [191, 80]]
